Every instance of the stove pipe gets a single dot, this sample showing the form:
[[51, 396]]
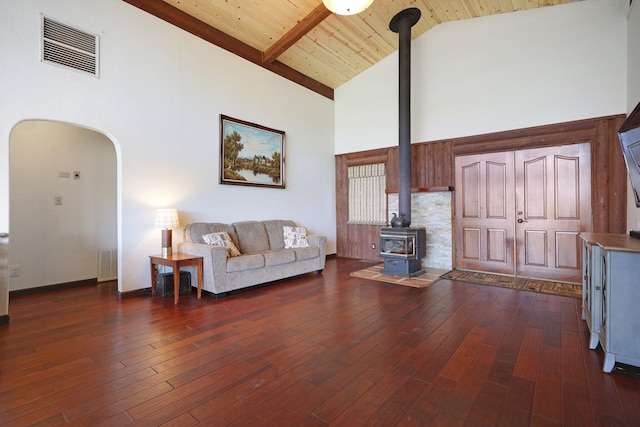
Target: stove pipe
[[401, 24]]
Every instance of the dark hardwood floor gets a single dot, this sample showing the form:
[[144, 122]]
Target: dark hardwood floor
[[312, 351]]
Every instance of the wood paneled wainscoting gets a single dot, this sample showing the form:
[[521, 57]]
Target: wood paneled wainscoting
[[433, 168]]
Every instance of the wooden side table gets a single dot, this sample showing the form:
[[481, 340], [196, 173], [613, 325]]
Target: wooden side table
[[175, 261]]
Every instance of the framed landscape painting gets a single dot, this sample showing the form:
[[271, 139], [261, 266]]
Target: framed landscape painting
[[250, 154]]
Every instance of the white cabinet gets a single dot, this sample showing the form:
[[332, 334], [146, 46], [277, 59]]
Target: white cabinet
[[611, 296], [591, 292]]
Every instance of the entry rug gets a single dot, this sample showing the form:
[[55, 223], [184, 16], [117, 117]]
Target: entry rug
[[524, 284], [422, 281]]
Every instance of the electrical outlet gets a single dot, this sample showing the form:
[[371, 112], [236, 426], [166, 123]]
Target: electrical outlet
[[14, 270], [373, 246]]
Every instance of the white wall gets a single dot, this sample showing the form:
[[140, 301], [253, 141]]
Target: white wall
[[59, 243], [633, 96], [158, 98], [494, 73]]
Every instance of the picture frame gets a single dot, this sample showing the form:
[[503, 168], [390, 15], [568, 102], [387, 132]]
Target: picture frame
[[251, 154]]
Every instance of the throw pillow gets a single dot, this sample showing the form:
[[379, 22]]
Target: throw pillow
[[222, 239], [295, 237]]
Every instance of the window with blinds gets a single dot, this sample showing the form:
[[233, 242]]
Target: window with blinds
[[367, 196]]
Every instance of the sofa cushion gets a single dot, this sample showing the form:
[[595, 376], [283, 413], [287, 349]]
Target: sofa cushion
[[222, 239], [245, 262], [194, 232], [274, 231], [307, 253], [295, 237], [278, 257], [252, 236]]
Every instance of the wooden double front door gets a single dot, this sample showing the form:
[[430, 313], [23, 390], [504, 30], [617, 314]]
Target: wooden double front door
[[521, 212]]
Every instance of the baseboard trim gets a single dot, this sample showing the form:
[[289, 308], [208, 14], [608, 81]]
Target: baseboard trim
[[134, 293], [58, 286]]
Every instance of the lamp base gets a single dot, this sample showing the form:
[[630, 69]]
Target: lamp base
[[166, 243]]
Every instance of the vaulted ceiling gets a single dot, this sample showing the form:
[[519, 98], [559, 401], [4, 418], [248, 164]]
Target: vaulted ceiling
[[304, 42]]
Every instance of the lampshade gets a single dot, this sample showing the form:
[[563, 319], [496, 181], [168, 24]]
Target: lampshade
[[167, 219], [347, 7]]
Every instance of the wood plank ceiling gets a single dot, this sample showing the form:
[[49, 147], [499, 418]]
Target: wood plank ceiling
[[304, 42]]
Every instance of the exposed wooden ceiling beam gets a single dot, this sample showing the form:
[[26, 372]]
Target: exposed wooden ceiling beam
[[170, 14], [309, 22]]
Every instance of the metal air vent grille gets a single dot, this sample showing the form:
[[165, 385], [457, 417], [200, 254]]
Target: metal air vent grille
[[69, 47]]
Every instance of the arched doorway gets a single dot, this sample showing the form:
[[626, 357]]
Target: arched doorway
[[62, 203]]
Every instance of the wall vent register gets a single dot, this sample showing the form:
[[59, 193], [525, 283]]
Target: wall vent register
[[69, 47]]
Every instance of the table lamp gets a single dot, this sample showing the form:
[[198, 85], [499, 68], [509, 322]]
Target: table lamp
[[166, 219]]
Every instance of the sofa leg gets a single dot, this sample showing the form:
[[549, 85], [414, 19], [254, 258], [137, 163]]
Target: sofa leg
[[320, 271]]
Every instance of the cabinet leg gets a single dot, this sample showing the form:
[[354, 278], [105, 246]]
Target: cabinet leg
[[609, 361], [593, 341]]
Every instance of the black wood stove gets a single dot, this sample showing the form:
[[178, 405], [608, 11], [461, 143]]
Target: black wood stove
[[402, 249]]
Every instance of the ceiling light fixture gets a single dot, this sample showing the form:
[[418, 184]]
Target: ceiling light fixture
[[347, 7]]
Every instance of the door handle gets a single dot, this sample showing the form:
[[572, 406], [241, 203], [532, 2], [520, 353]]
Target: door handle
[[520, 220]]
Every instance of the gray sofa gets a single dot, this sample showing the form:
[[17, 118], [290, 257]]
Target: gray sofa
[[263, 257]]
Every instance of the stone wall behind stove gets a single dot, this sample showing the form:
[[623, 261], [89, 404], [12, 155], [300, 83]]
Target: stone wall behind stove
[[434, 212]]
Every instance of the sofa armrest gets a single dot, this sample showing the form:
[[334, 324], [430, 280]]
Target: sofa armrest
[[320, 242], [214, 263]]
